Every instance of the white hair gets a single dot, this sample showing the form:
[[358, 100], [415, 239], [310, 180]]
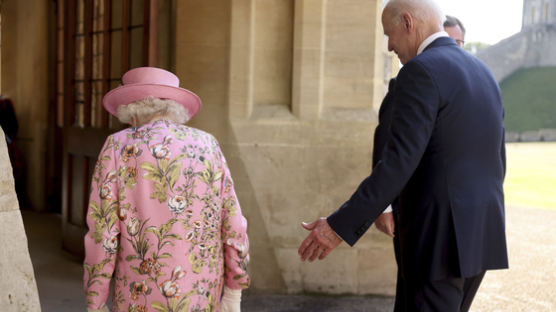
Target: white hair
[[148, 108], [426, 11]]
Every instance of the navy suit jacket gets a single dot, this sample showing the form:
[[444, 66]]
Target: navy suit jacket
[[382, 131], [445, 158]]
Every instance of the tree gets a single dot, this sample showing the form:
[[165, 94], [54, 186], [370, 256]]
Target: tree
[[476, 46]]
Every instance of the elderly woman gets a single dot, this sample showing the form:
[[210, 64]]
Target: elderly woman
[[164, 221]]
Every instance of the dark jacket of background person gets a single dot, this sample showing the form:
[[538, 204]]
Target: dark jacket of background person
[[446, 161]]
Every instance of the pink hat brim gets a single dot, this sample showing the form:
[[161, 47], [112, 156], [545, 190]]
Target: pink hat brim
[[130, 93]]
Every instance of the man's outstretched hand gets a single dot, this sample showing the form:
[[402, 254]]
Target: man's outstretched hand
[[320, 242]]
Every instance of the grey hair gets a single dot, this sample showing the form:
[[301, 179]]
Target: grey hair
[[421, 10], [452, 21], [148, 108]]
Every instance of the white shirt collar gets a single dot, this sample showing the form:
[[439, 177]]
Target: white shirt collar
[[430, 39]]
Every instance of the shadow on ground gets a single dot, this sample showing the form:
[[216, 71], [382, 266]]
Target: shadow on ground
[[289, 303]]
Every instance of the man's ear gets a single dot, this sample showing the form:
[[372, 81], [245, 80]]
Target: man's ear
[[407, 21]]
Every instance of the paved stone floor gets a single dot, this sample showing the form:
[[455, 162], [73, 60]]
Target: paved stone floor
[[58, 275], [529, 285]]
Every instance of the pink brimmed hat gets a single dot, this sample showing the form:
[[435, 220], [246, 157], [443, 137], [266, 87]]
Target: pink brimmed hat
[[141, 82]]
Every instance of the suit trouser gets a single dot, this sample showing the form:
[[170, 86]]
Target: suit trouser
[[446, 295]]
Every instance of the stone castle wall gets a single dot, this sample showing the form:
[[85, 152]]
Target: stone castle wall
[[534, 46], [537, 12]]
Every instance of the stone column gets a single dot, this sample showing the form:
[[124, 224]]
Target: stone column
[[290, 89], [308, 62], [25, 62], [18, 287], [241, 58]]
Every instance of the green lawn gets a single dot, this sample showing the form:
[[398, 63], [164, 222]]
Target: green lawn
[[531, 175], [529, 99]]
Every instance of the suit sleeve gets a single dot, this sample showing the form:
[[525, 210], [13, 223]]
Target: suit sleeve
[[382, 130], [234, 234], [417, 101], [102, 239]]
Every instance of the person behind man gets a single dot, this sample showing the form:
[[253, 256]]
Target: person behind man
[[445, 159], [455, 29], [385, 222]]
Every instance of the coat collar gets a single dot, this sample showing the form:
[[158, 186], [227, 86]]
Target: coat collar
[[442, 41], [429, 40]]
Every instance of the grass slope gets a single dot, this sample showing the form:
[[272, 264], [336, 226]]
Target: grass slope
[[529, 97]]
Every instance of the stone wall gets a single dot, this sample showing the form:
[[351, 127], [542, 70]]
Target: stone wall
[[538, 12], [543, 135], [25, 67], [17, 280], [532, 47], [291, 89]]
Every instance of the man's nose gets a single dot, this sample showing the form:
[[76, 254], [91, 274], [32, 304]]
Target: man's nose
[[390, 47]]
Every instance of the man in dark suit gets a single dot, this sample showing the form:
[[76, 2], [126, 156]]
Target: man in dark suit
[[445, 159], [385, 222]]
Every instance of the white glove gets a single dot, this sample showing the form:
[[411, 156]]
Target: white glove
[[103, 308], [231, 300]]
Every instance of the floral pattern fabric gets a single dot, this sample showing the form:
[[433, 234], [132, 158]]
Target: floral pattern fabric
[[164, 222]]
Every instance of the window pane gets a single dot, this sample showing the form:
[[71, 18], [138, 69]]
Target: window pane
[[61, 77], [61, 6], [97, 56], [80, 16], [60, 117], [116, 55], [96, 103], [79, 58], [117, 13], [98, 15], [137, 10], [79, 104], [61, 45], [136, 51]]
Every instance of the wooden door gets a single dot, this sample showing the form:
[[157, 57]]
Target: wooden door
[[98, 40]]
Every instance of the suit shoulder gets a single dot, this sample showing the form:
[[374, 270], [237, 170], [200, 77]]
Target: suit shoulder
[[416, 68]]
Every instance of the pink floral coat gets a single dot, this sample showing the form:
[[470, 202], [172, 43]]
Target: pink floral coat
[[164, 222]]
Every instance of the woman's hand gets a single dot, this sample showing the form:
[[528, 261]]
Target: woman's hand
[[103, 308], [231, 300]]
